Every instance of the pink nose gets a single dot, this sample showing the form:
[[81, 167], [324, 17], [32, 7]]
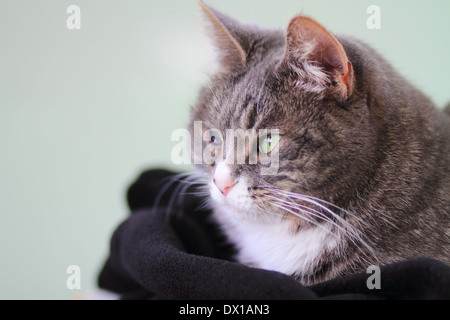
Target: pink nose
[[224, 185], [222, 179]]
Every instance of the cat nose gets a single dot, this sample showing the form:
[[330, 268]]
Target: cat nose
[[223, 180], [224, 185]]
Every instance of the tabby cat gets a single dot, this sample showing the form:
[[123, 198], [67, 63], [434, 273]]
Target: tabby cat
[[363, 157]]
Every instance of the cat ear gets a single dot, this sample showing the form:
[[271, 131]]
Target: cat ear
[[318, 56], [229, 36]]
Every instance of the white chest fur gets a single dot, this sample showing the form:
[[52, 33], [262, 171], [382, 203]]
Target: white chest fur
[[275, 247]]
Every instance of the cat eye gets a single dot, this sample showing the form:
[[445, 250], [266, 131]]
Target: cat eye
[[214, 136], [268, 143]]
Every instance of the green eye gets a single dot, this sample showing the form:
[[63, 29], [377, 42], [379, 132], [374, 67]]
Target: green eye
[[268, 143]]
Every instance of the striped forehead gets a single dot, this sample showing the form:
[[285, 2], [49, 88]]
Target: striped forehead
[[243, 106], [241, 114]]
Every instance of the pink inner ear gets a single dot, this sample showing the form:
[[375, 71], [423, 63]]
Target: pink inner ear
[[327, 52]]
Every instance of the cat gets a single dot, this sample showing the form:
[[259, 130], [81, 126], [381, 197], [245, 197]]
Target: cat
[[363, 174]]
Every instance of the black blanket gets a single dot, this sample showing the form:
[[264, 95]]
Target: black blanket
[[172, 250]]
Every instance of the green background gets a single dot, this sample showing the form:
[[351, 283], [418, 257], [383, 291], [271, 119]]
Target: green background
[[83, 112]]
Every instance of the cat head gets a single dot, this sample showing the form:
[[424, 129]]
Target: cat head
[[292, 98]]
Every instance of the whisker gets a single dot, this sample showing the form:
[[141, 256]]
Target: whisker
[[352, 232], [200, 185], [266, 210], [285, 206], [169, 182], [297, 214], [186, 184], [309, 211], [184, 180], [176, 194], [345, 212], [315, 201]]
